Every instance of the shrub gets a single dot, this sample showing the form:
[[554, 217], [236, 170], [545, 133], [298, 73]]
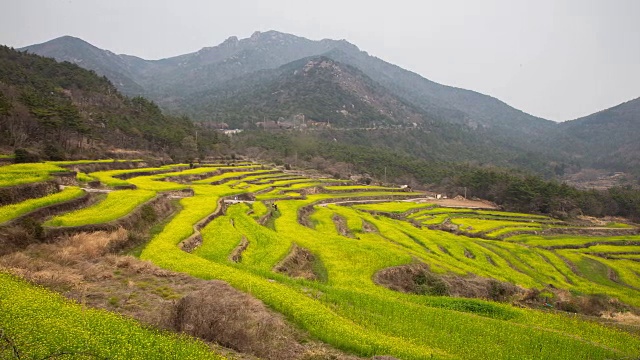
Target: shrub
[[54, 152], [148, 214], [24, 156], [568, 306], [233, 319], [430, 284], [32, 227]]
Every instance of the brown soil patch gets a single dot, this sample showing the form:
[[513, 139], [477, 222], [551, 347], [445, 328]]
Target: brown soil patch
[[418, 279], [627, 318], [191, 243], [341, 226], [236, 255], [369, 227], [221, 314], [469, 254], [304, 216], [265, 218], [298, 264]]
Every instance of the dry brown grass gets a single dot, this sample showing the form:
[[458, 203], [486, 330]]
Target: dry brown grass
[[233, 319], [298, 264], [417, 278], [86, 246], [83, 267], [63, 265]]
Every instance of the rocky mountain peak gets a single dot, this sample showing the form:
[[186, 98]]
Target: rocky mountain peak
[[320, 63], [255, 36], [231, 41]]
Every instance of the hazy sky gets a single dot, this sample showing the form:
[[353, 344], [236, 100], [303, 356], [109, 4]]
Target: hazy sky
[[555, 59]]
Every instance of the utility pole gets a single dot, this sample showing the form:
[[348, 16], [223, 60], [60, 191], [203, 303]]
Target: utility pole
[[385, 174], [465, 193]]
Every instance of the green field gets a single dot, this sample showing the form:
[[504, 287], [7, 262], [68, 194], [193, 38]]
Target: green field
[[117, 204], [10, 212], [18, 174], [41, 324], [345, 307]]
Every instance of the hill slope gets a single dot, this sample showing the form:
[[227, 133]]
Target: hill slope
[[65, 109], [211, 67], [319, 88], [606, 139], [116, 68]]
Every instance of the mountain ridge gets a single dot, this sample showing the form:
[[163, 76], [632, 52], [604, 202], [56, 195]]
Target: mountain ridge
[[194, 83], [210, 66]]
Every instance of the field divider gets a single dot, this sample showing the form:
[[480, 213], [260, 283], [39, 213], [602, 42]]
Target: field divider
[[231, 178], [127, 221], [305, 211], [195, 177], [397, 216], [590, 244], [592, 231], [194, 240], [102, 166], [131, 175], [54, 209], [358, 189], [18, 193]]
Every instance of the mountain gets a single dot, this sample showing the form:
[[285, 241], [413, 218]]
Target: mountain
[[245, 81], [117, 68], [445, 102], [317, 89], [170, 81], [607, 139], [60, 109], [338, 103]]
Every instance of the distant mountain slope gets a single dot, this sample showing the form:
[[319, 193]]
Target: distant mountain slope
[[116, 68], [342, 105], [170, 81], [445, 102], [606, 139], [316, 89], [61, 109]]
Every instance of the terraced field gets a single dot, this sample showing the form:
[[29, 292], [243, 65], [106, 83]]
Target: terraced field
[[368, 269]]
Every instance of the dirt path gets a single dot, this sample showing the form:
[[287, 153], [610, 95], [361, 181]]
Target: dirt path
[[90, 190], [465, 203]]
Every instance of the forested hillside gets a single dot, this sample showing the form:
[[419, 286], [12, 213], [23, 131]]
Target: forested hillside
[[317, 89], [607, 139], [59, 109]]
